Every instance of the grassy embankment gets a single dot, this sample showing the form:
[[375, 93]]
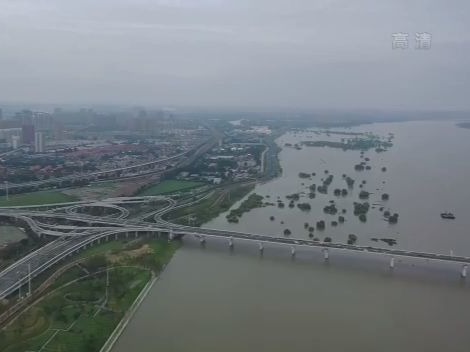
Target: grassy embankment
[[170, 186], [76, 316], [200, 213], [36, 198]]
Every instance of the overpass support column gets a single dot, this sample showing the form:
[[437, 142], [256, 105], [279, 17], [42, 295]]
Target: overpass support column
[[170, 235], [326, 254], [261, 247], [230, 242], [463, 273], [202, 240], [136, 234], [392, 263], [115, 236]]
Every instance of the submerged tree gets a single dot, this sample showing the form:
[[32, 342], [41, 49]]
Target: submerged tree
[[352, 239]]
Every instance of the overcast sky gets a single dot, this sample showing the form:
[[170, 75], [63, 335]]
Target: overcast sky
[[228, 53]]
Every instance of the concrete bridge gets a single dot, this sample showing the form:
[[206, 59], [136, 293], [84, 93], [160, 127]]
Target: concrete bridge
[[83, 231]]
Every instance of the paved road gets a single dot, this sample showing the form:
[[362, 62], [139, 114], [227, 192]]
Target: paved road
[[38, 261]]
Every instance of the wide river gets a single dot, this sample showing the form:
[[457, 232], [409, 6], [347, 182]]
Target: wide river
[[210, 300]]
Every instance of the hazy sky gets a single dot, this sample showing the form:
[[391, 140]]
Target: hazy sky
[[248, 53]]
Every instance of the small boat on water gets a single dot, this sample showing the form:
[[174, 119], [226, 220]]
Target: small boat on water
[[448, 216]]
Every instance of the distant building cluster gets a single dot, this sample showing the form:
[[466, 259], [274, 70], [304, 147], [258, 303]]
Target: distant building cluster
[[237, 157], [35, 146]]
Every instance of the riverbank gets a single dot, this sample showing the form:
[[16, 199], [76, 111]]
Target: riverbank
[[210, 207], [108, 345]]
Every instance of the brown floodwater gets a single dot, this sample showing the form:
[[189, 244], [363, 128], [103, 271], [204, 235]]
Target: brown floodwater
[[209, 299]]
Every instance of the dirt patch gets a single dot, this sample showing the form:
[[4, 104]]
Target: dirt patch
[[134, 253]]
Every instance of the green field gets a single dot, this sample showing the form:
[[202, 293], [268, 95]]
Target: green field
[[36, 198], [76, 316], [170, 186]]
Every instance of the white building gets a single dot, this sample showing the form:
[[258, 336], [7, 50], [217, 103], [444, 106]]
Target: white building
[[39, 142], [8, 133], [15, 142]]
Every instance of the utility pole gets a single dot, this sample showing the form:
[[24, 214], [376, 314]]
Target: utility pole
[[29, 279], [19, 291], [107, 285]]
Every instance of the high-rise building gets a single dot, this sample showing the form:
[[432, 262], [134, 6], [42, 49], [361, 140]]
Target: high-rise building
[[42, 121], [39, 142], [25, 117], [15, 142], [28, 134]]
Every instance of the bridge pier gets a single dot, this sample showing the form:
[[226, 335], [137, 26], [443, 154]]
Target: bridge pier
[[170, 235], [326, 254], [392, 263], [202, 240], [136, 234], [230, 242], [261, 247], [463, 273], [292, 251]]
